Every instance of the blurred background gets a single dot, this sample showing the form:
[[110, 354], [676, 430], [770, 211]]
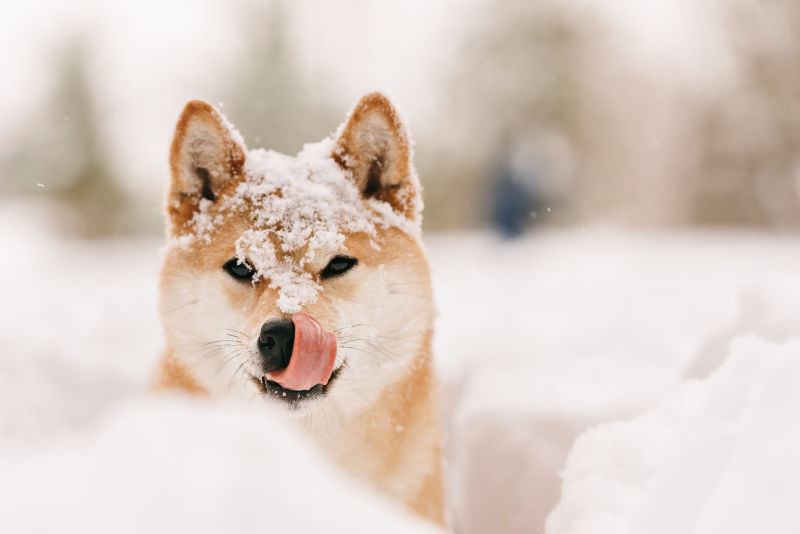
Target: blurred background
[[535, 113], [612, 194]]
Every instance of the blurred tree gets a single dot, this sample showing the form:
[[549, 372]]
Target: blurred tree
[[62, 154], [267, 96], [749, 157]]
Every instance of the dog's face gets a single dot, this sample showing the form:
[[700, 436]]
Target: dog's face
[[296, 281]]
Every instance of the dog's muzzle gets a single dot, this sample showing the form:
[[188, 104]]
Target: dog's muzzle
[[298, 354]]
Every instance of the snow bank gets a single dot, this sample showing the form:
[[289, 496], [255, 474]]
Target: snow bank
[[541, 338], [173, 465], [768, 306], [718, 456], [511, 428], [78, 328]]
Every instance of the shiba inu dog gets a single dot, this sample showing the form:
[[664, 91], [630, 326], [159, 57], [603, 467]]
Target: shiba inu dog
[[300, 283]]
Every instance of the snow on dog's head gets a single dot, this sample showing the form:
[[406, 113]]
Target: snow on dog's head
[[256, 237]]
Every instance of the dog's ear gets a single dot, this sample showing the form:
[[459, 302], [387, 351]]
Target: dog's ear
[[206, 155], [374, 145]]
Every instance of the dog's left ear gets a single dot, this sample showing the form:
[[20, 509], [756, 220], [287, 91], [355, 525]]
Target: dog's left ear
[[374, 145], [206, 155]]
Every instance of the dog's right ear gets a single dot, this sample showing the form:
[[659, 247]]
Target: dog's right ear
[[206, 155]]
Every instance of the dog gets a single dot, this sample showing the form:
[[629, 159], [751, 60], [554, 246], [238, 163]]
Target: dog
[[300, 283]]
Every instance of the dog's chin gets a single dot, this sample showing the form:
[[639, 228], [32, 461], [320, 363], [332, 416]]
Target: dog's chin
[[298, 402]]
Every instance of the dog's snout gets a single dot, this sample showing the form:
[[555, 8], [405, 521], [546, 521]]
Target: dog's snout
[[275, 344]]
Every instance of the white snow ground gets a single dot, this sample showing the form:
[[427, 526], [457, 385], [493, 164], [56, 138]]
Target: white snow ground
[[538, 340]]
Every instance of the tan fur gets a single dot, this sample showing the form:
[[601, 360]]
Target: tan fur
[[398, 439], [383, 428], [170, 375]]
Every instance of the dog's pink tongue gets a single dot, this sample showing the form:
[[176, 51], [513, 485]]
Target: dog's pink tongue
[[313, 356]]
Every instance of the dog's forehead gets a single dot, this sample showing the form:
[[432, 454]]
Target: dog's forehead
[[295, 204], [300, 209], [290, 211], [299, 195]]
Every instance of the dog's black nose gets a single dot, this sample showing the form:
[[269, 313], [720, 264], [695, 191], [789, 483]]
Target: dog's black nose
[[275, 344]]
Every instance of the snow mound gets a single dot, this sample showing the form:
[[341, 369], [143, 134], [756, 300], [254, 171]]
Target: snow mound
[[718, 456], [528, 414], [176, 465], [768, 306]]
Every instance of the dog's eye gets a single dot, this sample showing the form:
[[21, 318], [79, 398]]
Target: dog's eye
[[338, 265], [239, 270]]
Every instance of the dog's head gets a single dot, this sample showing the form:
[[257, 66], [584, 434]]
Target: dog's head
[[295, 280]]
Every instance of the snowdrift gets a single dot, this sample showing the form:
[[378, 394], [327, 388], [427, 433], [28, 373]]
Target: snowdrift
[[575, 330], [717, 456], [173, 465]]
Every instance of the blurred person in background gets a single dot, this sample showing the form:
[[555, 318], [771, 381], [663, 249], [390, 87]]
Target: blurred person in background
[[512, 197], [521, 188]]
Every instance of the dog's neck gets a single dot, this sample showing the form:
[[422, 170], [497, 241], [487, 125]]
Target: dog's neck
[[391, 440], [171, 374]]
